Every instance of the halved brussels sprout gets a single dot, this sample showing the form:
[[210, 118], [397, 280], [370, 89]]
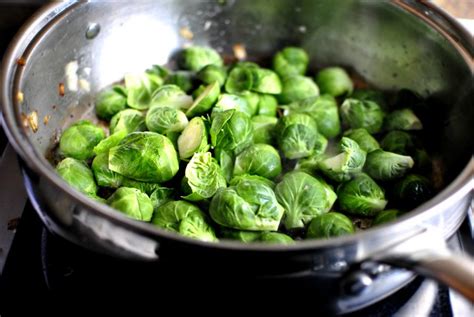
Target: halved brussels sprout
[[362, 114], [160, 196], [226, 162], [205, 100], [184, 218], [383, 165], [103, 175], [297, 87], [212, 73], [297, 135], [140, 88], [371, 95], [361, 196], [386, 216], [399, 142], [303, 197], [231, 130], [78, 140], [78, 175], [290, 61], [258, 159], [182, 79], [267, 105], [165, 120], [229, 101], [323, 109], [196, 57], [144, 156], [110, 101], [310, 164], [130, 120], [346, 164], [403, 119], [263, 129], [240, 79], [171, 96], [198, 91], [203, 176], [132, 202], [366, 141], [249, 204], [413, 190], [265, 81], [252, 99], [109, 142], [332, 224], [193, 138], [334, 81]]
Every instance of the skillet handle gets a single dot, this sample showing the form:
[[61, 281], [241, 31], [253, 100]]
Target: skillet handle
[[428, 255]]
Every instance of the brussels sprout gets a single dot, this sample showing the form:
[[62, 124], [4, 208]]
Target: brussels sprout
[[212, 73], [226, 162], [198, 91], [204, 101], [361, 196], [345, 164], [231, 130], [332, 224], [239, 79], [193, 138], [144, 187], [171, 96], [403, 119], [78, 175], [397, 142], [297, 134], [303, 197], [144, 156], [290, 61], [265, 81], [323, 110], [252, 99], [362, 114], [229, 101], [165, 120], [413, 190], [103, 175], [386, 216], [263, 129], [182, 79], [160, 196], [258, 159], [111, 101], [196, 57], [383, 165], [78, 141], [366, 141], [334, 81], [109, 142], [371, 95], [241, 236], [184, 218], [310, 164], [297, 87], [203, 176], [140, 88], [275, 237], [246, 64], [159, 71], [249, 204], [267, 105], [132, 202], [129, 120], [246, 177]]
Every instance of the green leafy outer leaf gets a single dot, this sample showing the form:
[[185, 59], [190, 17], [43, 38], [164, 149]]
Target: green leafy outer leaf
[[193, 138], [160, 196], [239, 79], [400, 142], [145, 156], [78, 141], [323, 109], [303, 197], [413, 190], [144, 187], [366, 141], [184, 218], [78, 175], [334, 81], [164, 120], [386, 216], [226, 162], [171, 96], [297, 87], [332, 224], [103, 175], [205, 100], [212, 73], [130, 120], [265, 81], [383, 165], [371, 95], [267, 105], [361, 196], [140, 88], [249, 204], [204, 177], [362, 114], [231, 130], [290, 61], [132, 202], [403, 119], [111, 101], [239, 235], [196, 57], [263, 129], [297, 135], [258, 159], [109, 142], [346, 164]]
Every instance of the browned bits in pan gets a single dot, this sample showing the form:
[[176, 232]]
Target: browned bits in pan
[[24, 120], [186, 33], [19, 97], [33, 121], [21, 61], [46, 119], [61, 89], [239, 51]]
